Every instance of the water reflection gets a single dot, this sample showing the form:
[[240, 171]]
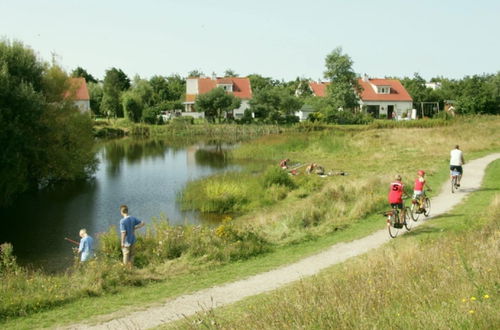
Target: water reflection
[[147, 175]]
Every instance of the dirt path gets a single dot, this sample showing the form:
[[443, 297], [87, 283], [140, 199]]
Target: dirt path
[[231, 292]]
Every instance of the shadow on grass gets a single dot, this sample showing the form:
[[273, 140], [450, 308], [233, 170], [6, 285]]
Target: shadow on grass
[[445, 215], [423, 231]]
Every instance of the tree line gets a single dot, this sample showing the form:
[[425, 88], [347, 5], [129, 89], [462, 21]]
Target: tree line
[[276, 101], [43, 135]]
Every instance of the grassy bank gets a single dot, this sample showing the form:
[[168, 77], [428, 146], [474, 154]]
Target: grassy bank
[[314, 212], [442, 275], [310, 206], [122, 127]]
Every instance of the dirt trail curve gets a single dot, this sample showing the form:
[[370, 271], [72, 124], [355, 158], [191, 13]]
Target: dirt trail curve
[[231, 292]]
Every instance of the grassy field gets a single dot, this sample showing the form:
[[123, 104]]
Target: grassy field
[[284, 223], [443, 275]]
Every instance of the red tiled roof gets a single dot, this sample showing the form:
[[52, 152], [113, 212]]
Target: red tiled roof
[[398, 92], [224, 81], [241, 86], [319, 89], [77, 89]]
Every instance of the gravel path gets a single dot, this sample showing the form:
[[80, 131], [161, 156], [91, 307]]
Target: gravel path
[[231, 292]]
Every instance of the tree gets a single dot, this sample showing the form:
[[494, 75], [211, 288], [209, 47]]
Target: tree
[[115, 82], [417, 89], [44, 137], [161, 90], [275, 105], [177, 87], [477, 95], [81, 72], [143, 91], [230, 73], [132, 106], [344, 88], [259, 82], [96, 93], [215, 103], [195, 74]]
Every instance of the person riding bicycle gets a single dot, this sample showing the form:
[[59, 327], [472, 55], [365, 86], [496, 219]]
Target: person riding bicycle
[[456, 162], [418, 190], [396, 192]]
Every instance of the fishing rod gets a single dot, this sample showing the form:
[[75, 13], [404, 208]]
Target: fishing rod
[[71, 241]]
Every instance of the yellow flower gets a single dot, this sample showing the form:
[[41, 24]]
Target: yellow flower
[[471, 312], [486, 296], [464, 300], [472, 298]]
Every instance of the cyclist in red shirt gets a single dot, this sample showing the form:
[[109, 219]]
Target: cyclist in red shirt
[[396, 193], [418, 189]]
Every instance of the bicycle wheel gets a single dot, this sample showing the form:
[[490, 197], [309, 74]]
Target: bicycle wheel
[[414, 211], [393, 231], [427, 206], [406, 218]]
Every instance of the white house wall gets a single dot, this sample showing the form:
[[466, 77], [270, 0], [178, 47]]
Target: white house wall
[[192, 86], [241, 110], [83, 105], [399, 107]]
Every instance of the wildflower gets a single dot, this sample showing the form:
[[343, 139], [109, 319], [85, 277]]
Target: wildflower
[[464, 300], [472, 298], [486, 296], [471, 311]]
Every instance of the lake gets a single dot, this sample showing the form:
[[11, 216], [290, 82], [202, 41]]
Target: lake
[[147, 175]]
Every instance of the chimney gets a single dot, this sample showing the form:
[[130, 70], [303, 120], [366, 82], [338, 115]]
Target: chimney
[[214, 76], [365, 77]]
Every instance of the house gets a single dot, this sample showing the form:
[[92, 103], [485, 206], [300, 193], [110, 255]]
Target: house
[[79, 93], [304, 112], [238, 86], [380, 97]]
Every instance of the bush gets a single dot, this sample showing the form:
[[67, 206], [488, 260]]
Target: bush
[[443, 115], [276, 176], [8, 262], [182, 121], [348, 118], [151, 115]]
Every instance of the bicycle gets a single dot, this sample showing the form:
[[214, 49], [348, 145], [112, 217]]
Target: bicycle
[[420, 205], [397, 219], [454, 180]]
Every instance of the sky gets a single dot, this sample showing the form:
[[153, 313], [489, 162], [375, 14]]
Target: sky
[[282, 39]]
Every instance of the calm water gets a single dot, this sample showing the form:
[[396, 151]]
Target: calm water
[[145, 175]]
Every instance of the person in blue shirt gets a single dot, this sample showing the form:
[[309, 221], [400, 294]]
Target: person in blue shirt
[[128, 225], [86, 247]]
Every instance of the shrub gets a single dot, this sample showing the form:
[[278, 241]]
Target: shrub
[[8, 262], [182, 121], [276, 176], [151, 115], [348, 118]]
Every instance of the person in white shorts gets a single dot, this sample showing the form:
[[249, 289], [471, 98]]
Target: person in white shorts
[[456, 162]]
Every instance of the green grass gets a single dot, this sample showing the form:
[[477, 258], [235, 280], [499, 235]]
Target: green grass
[[442, 275], [313, 216]]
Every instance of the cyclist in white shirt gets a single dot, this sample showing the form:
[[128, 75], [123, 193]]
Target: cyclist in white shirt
[[456, 162]]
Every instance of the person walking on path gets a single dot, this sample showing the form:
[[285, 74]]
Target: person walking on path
[[456, 162], [128, 225], [86, 247]]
